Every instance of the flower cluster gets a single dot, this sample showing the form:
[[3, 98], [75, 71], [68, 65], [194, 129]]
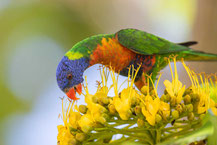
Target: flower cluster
[[138, 116]]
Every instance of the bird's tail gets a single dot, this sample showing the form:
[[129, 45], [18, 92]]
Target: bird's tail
[[199, 56]]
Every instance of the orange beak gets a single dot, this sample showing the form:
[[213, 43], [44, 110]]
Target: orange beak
[[79, 89], [72, 92]]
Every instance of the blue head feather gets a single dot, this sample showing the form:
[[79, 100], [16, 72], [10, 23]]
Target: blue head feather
[[74, 67]]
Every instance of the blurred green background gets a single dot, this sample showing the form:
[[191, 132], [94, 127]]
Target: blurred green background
[[34, 35]]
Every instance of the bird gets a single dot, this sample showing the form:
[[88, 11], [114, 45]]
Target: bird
[[121, 50]]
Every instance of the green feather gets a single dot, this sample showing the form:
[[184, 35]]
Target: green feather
[[145, 43], [194, 55], [85, 47]]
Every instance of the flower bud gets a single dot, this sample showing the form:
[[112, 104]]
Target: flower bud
[[195, 106], [168, 98], [158, 118], [86, 128], [183, 107], [191, 116], [80, 137], [104, 115], [83, 109], [72, 141], [112, 109], [202, 116], [102, 110], [144, 90], [187, 99], [188, 91], [104, 100], [140, 122], [133, 100], [179, 108], [189, 107], [173, 101], [137, 110], [152, 92], [195, 97], [95, 99], [165, 98], [162, 98], [175, 114], [101, 120]]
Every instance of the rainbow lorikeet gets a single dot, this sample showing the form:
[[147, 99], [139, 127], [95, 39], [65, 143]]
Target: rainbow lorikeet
[[120, 50]]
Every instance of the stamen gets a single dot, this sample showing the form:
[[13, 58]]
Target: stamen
[[158, 80], [171, 70]]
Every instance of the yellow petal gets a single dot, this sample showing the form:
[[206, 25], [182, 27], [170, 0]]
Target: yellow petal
[[180, 94], [169, 87], [201, 110], [73, 119], [150, 118], [86, 122]]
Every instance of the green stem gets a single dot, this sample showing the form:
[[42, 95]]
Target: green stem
[[158, 136], [175, 127], [119, 141], [185, 130], [176, 134], [144, 136]]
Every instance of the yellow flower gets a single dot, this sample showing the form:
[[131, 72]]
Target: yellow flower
[[101, 96], [123, 103], [150, 109], [64, 136], [86, 122], [174, 88], [164, 110], [73, 119], [201, 88], [94, 113], [203, 105], [93, 108]]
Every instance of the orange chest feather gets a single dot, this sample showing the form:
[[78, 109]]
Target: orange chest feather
[[112, 53]]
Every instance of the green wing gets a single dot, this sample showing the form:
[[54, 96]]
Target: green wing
[[146, 43]]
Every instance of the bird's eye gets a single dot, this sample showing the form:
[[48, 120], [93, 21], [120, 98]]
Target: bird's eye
[[69, 76]]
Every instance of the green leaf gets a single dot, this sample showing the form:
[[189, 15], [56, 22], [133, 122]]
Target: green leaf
[[207, 130], [212, 139]]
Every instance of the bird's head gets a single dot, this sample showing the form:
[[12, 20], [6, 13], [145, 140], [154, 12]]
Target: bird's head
[[69, 75]]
